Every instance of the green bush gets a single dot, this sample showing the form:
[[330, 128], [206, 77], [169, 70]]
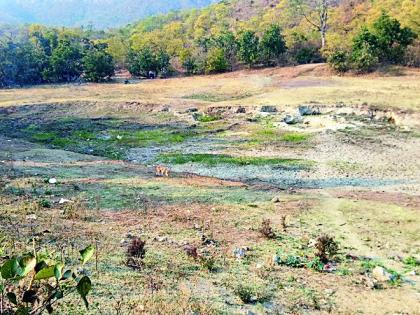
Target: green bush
[[339, 60], [216, 61], [364, 60], [98, 64], [252, 291]]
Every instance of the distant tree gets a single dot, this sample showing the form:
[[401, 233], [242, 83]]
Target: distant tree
[[142, 61], [301, 50], [249, 48], [216, 61], [316, 13], [229, 44], [365, 51], [162, 60], [21, 63], [66, 62], [272, 45], [188, 61], [387, 42], [118, 49], [98, 64], [392, 39]]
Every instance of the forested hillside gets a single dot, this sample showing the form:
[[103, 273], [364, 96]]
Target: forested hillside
[[355, 35], [99, 13]]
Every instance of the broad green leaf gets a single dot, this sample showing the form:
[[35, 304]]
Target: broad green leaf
[[45, 273], [67, 274], [10, 269], [27, 263], [12, 298], [86, 253], [83, 288], [58, 294], [41, 265], [58, 270]]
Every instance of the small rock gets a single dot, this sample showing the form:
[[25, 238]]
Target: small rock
[[311, 243], [119, 137], [239, 252], [52, 181], [161, 239], [275, 199], [192, 110], [31, 217], [268, 109], [329, 291], [380, 274], [241, 110], [62, 200], [292, 120], [306, 110]]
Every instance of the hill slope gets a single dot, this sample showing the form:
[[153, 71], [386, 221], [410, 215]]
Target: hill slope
[[100, 13]]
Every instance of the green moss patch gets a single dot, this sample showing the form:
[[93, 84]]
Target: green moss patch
[[217, 159]]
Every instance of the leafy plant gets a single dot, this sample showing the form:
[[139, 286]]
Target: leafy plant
[[32, 283], [252, 291], [315, 264]]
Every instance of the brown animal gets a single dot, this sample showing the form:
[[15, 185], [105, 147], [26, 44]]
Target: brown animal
[[161, 171]]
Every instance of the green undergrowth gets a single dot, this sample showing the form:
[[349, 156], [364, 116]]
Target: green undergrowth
[[104, 139], [214, 98], [116, 197], [219, 159]]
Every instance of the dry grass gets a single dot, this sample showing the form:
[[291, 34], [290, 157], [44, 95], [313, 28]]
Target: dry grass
[[279, 86]]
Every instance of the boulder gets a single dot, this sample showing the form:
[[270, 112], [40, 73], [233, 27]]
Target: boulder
[[268, 109], [292, 120], [192, 110], [241, 110], [306, 110], [380, 274]]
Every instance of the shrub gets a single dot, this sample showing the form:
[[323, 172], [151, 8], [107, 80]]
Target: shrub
[[98, 64], [135, 253], [216, 61], [249, 48], [272, 45], [252, 291], [392, 39], [326, 248], [136, 248], [364, 60], [267, 230], [339, 60]]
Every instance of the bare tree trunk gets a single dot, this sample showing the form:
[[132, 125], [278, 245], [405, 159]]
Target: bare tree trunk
[[323, 21]]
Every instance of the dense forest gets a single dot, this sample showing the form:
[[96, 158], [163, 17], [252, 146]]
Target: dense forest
[[356, 35]]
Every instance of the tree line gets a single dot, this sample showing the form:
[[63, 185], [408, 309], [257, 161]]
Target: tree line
[[43, 55], [209, 41]]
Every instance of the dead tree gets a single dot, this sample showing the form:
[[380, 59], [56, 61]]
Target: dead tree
[[305, 8]]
